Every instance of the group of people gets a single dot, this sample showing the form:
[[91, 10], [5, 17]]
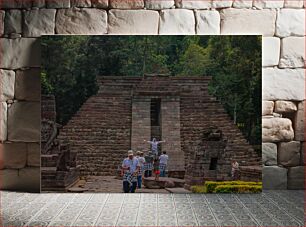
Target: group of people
[[134, 168]]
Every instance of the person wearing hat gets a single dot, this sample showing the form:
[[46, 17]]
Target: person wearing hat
[[129, 171]]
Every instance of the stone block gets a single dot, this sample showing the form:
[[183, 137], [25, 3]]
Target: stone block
[[262, 4], [276, 86], [274, 177], [55, 4], [191, 4], [242, 4], [2, 14], [270, 51], [299, 122], [26, 179], [24, 122], [126, 4], [15, 4], [81, 21], [20, 53], [28, 86], [277, 129], [290, 22], [293, 3], [269, 154], [3, 121], [80, 3], [221, 3], [7, 85], [39, 3], [39, 22], [289, 154], [99, 3], [267, 107], [13, 21], [159, 4], [296, 177], [303, 160], [285, 107], [13, 155], [293, 52], [178, 22], [33, 154], [248, 22], [208, 22], [141, 22]]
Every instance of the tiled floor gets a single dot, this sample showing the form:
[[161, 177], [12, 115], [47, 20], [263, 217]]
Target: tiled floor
[[271, 208]]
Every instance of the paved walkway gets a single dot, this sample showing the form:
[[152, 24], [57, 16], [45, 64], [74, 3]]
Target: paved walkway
[[270, 208]]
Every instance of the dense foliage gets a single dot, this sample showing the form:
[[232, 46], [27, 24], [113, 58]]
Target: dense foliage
[[71, 64], [228, 187]]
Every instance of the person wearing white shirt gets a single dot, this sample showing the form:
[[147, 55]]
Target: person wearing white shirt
[[163, 161], [129, 172]]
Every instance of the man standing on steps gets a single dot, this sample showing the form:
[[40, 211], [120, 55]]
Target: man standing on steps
[[154, 145], [129, 171]]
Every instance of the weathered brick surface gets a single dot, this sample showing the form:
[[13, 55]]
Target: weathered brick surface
[[179, 21], [277, 129], [81, 21], [144, 22], [159, 4], [248, 21], [274, 177], [13, 155], [28, 86], [296, 178], [267, 107], [271, 51], [39, 22], [299, 122], [19, 53], [290, 22], [285, 106], [7, 84], [33, 157], [3, 121], [27, 179], [269, 154], [55, 4], [208, 22], [293, 52], [13, 21], [126, 4], [289, 153], [262, 4], [275, 84], [24, 122]]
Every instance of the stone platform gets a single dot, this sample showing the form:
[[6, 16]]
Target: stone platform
[[163, 182], [270, 208]]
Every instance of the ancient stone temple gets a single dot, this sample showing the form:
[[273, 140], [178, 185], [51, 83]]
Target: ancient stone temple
[[201, 139]]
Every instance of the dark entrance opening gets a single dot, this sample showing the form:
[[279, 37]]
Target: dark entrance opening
[[213, 164], [155, 112]]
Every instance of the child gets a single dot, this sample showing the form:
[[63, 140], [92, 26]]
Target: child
[[156, 168]]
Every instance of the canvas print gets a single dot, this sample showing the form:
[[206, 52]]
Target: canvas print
[[151, 114]]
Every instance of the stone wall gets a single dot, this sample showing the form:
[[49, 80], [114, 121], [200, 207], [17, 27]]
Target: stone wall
[[282, 22]]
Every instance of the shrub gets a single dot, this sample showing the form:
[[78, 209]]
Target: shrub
[[238, 189], [198, 189], [211, 185]]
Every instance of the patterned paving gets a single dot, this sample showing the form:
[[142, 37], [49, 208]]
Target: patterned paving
[[270, 208]]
